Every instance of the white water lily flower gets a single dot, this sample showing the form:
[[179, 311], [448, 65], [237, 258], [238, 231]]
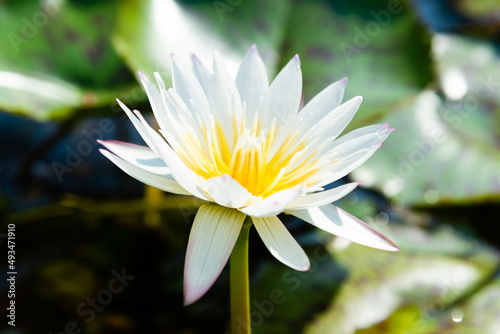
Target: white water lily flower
[[244, 145]]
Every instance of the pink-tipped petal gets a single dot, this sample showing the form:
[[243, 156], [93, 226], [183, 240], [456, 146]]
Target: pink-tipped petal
[[336, 221], [164, 183], [140, 156], [211, 240]]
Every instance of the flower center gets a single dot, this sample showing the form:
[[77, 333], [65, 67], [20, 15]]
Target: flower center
[[260, 161]]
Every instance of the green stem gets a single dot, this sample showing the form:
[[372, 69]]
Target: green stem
[[240, 292]]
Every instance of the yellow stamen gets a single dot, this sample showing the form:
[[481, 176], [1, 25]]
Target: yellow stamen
[[248, 161]]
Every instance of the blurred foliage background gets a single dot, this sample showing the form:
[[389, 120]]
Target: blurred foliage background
[[96, 252]]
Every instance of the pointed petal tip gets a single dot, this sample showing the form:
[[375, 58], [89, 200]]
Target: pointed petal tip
[[390, 246], [253, 47], [194, 58], [158, 77], [123, 106], [296, 58], [190, 298], [142, 76], [104, 152], [305, 267]]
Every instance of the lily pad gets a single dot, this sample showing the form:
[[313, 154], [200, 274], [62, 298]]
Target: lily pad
[[56, 56], [148, 31], [40, 97], [394, 291], [380, 48], [445, 148]]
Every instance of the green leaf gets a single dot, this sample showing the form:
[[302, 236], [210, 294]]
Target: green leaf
[[445, 149], [40, 97], [380, 48], [148, 31], [384, 289], [56, 56]]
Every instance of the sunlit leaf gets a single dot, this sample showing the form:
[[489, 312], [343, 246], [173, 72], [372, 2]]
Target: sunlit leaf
[[55, 56], [148, 31]]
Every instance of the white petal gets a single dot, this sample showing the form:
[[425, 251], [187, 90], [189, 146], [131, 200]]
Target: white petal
[[188, 87], [324, 102], [334, 122], [285, 93], [158, 181], [365, 137], [202, 73], [183, 175], [354, 149], [138, 126], [211, 241], [336, 221], [167, 120], [274, 204], [324, 197], [370, 130], [224, 99], [252, 82], [156, 101], [222, 89], [141, 156], [281, 243], [226, 191], [320, 132]]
